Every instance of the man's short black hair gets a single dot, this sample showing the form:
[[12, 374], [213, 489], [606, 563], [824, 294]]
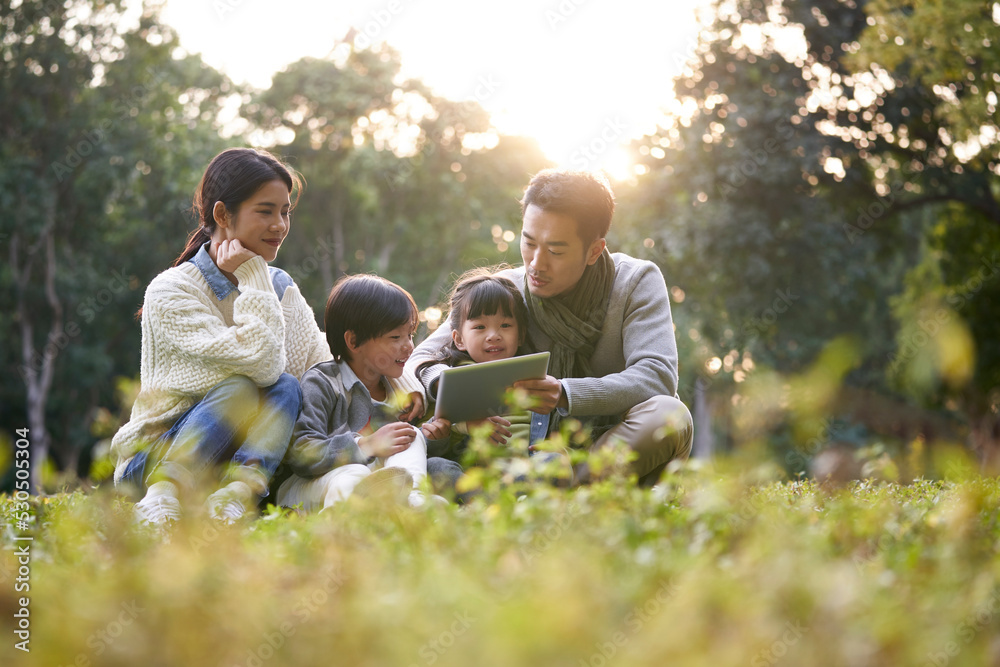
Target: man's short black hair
[[369, 306], [582, 195]]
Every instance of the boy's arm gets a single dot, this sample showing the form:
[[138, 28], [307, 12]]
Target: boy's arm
[[322, 439]]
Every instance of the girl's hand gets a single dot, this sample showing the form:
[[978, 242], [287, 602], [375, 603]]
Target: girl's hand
[[230, 254], [414, 408], [436, 429], [500, 431], [390, 439]]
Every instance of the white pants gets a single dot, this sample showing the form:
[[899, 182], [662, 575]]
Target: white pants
[[338, 484]]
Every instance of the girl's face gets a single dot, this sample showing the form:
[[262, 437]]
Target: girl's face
[[384, 355], [262, 221], [488, 337]]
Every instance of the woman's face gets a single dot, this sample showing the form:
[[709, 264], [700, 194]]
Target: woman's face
[[262, 221]]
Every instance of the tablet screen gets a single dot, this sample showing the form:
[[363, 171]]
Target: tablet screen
[[476, 391]]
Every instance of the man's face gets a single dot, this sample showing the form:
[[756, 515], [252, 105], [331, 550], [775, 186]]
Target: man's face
[[553, 252]]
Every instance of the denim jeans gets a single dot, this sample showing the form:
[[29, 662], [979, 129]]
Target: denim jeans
[[237, 424]]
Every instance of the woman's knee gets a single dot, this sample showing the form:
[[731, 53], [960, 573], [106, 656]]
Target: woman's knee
[[286, 391], [237, 388]]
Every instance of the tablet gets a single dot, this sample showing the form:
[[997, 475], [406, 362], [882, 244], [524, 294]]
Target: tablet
[[476, 391]]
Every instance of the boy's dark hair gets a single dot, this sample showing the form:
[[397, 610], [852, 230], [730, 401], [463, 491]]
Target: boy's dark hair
[[476, 293], [582, 195], [369, 306]]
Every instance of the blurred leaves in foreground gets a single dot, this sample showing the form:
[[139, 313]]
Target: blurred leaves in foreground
[[718, 564]]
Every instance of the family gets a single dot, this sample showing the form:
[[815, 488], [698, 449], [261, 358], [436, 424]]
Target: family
[[243, 395]]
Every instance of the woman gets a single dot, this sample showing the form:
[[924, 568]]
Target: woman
[[224, 340]]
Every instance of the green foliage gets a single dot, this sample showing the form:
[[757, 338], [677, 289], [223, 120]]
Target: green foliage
[[720, 566], [105, 136], [400, 181], [825, 184], [947, 48], [798, 180]]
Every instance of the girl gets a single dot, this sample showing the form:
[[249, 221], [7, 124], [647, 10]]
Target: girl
[[489, 321], [351, 423], [224, 339]]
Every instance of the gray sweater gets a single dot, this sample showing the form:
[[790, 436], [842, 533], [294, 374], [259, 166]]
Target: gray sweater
[[635, 357]]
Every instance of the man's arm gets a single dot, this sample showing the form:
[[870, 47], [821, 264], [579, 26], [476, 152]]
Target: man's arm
[[649, 349]]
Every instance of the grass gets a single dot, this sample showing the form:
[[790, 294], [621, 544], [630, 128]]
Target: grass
[[717, 566]]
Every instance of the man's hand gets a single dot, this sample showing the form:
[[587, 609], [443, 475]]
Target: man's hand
[[436, 429], [500, 427], [230, 254], [413, 408], [390, 439], [545, 394]]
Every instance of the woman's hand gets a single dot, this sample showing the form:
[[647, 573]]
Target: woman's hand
[[390, 439], [436, 429], [230, 254]]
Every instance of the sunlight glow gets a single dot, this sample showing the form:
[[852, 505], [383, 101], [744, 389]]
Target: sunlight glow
[[583, 78]]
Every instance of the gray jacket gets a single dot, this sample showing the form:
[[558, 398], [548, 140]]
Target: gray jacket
[[336, 406]]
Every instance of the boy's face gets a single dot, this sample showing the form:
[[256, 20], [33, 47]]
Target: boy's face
[[383, 355], [488, 337], [554, 254]]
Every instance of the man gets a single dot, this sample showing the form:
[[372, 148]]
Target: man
[[604, 318]]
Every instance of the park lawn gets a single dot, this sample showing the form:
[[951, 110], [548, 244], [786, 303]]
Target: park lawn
[[716, 566]]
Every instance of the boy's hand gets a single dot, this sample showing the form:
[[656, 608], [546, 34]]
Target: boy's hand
[[413, 408], [390, 439], [500, 428], [436, 429]]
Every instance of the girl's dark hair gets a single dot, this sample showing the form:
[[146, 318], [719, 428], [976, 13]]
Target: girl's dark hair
[[476, 293], [232, 177], [369, 306]]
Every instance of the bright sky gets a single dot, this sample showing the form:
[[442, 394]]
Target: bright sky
[[581, 76]]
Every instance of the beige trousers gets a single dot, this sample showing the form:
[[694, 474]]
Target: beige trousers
[[659, 430]]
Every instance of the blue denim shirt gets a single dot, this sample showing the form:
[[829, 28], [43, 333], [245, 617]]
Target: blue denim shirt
[[539, 427], [220, 284]]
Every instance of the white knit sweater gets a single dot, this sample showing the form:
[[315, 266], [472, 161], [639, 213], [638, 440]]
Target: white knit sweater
[[192, 340]]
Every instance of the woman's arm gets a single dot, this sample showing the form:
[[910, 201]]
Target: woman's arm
[[184, 323]]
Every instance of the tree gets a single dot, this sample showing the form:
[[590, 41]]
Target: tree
[[791, 198], [98, 144], [396, 183]]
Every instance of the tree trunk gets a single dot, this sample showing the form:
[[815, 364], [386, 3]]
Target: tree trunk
[[384, 257], [37, 369], [703, 441], [326, 272], [985, 437], [338, 242]]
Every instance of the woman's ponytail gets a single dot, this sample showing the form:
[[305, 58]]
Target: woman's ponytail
[[232, 177], [195, 241]]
